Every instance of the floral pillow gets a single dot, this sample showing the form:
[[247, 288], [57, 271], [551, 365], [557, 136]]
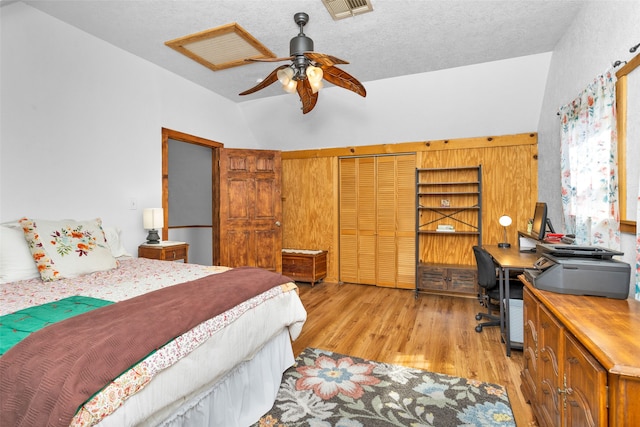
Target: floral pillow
[[67, 248]]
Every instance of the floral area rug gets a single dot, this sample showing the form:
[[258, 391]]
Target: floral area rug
[[326, 389]]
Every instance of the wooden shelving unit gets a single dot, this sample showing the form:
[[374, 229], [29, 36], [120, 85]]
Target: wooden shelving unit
[[448, 204]]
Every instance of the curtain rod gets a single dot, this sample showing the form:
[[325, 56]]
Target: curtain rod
[[618, 62], [632, 49]]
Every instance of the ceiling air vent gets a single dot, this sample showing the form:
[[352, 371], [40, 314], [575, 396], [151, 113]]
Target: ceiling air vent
[[340, 9]]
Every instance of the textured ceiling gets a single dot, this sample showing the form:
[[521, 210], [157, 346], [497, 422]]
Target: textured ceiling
[[399, 37]]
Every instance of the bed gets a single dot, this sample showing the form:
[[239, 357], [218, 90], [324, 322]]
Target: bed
[[223, 367]]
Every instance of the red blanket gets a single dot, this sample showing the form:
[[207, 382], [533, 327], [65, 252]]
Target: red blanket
[[47, 376]]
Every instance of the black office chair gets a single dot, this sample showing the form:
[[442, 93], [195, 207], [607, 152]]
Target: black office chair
[[489, 282]]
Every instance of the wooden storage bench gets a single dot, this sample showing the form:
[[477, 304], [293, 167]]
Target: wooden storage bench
[[304, 265]]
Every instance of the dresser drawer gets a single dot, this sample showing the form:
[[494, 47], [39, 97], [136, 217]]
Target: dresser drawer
[[174, 253]]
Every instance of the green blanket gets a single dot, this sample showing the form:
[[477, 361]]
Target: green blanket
[[17, 326]]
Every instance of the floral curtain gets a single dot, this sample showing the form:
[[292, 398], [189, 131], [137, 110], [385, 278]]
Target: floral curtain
[[589, 165], [638, 251]]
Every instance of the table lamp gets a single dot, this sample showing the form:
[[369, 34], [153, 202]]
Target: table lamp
[[505, 221], [152, 219]]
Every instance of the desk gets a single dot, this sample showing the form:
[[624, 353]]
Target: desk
[[508, 259]]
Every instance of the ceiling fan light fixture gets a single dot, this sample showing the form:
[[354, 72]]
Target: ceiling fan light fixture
[[314, 74], [291, 87], [307, 69], [315, 87], [285, 77]]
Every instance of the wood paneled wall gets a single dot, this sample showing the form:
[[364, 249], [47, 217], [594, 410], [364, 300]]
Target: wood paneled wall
[[310, 189], [310, 206]]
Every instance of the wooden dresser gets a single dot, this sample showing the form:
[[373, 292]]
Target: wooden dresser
[[304, 265], [581, 359]]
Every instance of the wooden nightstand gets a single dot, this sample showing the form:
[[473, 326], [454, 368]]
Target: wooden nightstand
[[165, 251]]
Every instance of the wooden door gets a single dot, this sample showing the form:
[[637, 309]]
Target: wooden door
[[251, 208]]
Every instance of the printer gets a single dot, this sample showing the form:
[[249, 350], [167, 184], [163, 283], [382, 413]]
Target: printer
[[580, 270]]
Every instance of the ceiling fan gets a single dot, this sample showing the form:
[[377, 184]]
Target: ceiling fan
[[307, 69]]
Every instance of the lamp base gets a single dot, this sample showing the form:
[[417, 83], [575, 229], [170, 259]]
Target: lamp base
[[153, 237], [504, 245]]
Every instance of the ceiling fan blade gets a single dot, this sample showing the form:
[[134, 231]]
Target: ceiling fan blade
[[343, 79], [307, 96], [271, 78], [324, 59], [289, 58]]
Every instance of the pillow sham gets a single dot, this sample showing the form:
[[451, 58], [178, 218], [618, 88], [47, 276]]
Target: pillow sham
[[16, 262], [67, 248], [112, 234]]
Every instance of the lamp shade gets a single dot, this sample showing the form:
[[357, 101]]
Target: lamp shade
[[505, 220], [285, 76], [314, 74], [152, 218]]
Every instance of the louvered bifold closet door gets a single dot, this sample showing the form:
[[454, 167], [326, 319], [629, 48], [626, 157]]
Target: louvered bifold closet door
[[406, 221], [367, 220], [377, 243], [386, 212], [348, 221]]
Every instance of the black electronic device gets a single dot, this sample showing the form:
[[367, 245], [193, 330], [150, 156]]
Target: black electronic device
[[541, 224]]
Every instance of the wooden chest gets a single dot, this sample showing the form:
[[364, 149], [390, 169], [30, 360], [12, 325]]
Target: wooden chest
[[304, 265]]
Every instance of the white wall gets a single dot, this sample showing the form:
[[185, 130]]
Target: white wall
[[602, 33], [495, 98], [80, 129]]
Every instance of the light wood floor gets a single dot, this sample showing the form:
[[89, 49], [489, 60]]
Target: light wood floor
[[435, 333]]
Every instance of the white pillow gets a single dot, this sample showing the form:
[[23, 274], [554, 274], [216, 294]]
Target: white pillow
[[16, 262], [67, 248], [112, 235]]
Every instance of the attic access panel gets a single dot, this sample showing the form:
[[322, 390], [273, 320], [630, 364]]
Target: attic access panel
[[221, 47]]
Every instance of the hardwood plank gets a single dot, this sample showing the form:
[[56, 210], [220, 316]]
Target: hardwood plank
[[430, 332]]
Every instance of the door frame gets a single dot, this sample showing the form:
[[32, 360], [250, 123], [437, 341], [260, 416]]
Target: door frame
[[215, 181]]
